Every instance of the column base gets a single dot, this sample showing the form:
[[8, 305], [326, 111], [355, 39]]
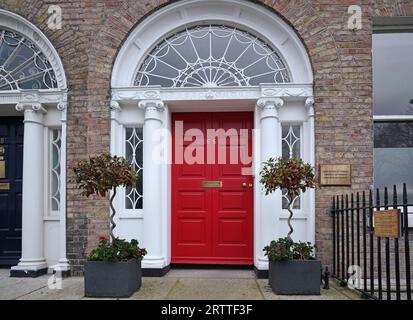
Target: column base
[[29, 269], [261, 268], [153, 262], [260, 274], [153, 272], [154, 266]]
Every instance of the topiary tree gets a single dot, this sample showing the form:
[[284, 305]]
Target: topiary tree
[[101, 174], [293, 175]]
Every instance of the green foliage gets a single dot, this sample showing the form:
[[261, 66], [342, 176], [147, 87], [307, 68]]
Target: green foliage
[[279, 250], [302, 250], [285, 249], [117, 250], [291, 174], [102, 173]]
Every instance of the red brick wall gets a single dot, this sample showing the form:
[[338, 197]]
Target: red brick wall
[[94, 30]]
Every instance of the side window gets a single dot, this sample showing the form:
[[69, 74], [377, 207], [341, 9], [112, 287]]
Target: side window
[[134, 154], [55, 143], [291, 148]]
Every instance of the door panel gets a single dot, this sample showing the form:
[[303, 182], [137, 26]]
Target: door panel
[[212, 225], [11, 157]]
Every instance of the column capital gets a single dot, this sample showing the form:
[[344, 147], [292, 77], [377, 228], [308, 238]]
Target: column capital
[[153, 108], [270, 103], [152, 103], [269, 107], [33, 111], [30, 106], [115, 109], [114, 105], [62, 106], [309, 104]]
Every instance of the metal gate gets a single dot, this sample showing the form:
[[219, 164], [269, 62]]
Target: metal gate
[[379, 267]]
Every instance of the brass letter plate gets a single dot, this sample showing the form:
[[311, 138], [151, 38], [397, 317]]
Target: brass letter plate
[[5, 186], [2, 169], [387, 223], [211, 184]]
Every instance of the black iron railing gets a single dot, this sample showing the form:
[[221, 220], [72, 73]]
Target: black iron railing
[[380, 268]]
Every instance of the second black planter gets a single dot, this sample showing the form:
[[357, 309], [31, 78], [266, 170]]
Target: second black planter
[[112, 279], [300, 277]]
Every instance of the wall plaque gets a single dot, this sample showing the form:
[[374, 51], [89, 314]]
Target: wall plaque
[[387, 223], [335, 174]]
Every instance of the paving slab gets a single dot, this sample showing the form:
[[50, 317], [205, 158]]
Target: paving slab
[[13, 288], [68, 289], [190, 284], [211, 273], [334, 293], [220, 289], [154, 288]]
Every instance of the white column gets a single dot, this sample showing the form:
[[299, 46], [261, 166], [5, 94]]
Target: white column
[[115, 137], [63, 266], [309, 103], [116, 145], [269, 219], [32, 262], [152, 184]]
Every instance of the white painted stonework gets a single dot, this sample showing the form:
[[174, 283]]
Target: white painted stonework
[[43, 231], [151, 108]]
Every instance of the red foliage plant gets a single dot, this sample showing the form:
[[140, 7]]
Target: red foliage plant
[[292, 175], [101, 174]]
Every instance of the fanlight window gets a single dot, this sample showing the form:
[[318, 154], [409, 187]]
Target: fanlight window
[[211, 56], [22, 64]]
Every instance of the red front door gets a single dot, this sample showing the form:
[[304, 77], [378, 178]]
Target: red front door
[[212, 194]]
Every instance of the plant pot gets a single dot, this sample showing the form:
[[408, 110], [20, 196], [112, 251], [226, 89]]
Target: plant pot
[[299, 277], [112, 279]]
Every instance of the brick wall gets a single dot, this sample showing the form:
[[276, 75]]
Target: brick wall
[[93, 31]]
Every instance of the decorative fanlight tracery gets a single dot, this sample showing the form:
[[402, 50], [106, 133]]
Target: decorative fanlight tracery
[[22, 64], [212, 56]]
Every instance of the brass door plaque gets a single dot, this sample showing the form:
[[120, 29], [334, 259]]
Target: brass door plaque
[[2, 150], [5, 186], [335, 174], [211, 184], [2, 169], [387, 223]]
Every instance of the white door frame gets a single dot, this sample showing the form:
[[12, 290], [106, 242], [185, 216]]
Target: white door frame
[[273, 104]]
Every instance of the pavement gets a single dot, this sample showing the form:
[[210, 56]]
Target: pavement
[[178, 284]]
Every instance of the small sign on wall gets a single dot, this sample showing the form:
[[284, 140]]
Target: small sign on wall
[[335, 174], [387, 223]]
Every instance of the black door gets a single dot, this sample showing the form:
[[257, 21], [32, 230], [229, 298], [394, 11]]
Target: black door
[[11, 170]]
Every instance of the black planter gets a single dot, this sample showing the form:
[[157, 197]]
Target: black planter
[[300, 277], [112, 279]]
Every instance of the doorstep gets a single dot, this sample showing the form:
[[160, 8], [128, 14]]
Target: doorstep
[[176, 285]]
